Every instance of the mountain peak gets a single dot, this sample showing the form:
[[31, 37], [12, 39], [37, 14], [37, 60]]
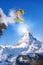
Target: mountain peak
[[26, 37], [27, 44]]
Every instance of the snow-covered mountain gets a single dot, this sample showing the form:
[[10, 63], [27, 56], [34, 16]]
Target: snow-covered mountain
[[27, 44]]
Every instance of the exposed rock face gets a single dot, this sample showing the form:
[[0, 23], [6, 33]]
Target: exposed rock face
[[27, 60]]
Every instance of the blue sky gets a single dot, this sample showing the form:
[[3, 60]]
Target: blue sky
[[33, 18]]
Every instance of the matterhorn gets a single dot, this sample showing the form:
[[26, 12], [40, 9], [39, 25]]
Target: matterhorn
[[25, 46]]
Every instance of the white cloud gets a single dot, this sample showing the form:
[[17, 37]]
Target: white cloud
[[22, 28]]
